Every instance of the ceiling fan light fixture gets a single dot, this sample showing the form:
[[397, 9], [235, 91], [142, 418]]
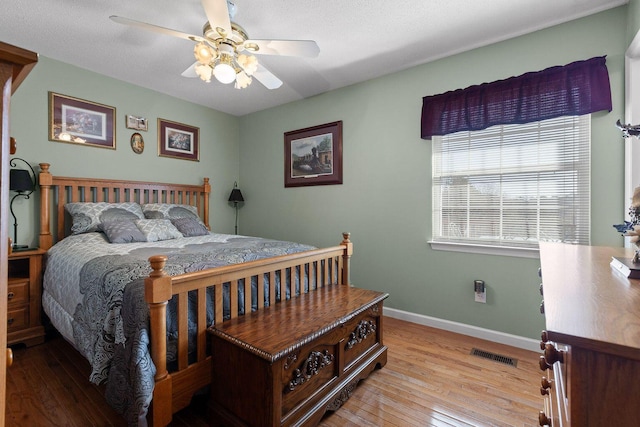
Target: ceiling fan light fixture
[[204, 72], [204, 53], [242, 80], [224, 71], [249, 63]]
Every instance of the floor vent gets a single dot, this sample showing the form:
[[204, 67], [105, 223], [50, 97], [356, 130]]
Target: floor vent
[[496, 357]]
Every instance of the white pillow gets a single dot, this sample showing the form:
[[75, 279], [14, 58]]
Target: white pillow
[[155, 230]]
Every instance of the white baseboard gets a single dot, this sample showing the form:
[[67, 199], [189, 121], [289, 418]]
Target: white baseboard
[[461, 328]]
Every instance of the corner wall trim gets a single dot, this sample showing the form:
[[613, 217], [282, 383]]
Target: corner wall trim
[[464, 329]]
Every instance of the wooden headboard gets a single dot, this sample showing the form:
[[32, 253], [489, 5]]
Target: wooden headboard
[[55, 191]]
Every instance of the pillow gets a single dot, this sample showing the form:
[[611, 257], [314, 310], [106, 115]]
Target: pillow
[[190, 227], [122, 232], [169, 211], [155, 230], [85, 217]]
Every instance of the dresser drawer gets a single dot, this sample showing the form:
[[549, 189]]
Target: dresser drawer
[[18, 318], [18, 292]]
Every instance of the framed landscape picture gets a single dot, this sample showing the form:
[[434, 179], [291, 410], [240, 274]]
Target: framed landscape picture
[[78, 121], [178, 140], [313, 156]]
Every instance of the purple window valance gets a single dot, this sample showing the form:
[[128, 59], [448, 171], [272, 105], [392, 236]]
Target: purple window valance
[[575, 89]]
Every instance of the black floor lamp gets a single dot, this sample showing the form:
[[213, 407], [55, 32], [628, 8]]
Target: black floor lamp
[[236, 197], [23, 184]]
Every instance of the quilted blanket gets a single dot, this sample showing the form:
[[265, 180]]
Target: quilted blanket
[[101, 286]]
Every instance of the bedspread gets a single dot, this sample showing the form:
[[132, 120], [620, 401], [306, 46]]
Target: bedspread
[[102, 287]]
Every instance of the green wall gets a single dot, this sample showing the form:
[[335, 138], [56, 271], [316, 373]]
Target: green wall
[[385, 200], [29, 117]]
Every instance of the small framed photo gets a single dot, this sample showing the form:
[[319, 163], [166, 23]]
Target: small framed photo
[[137, 123], [178, 140], [313, 156], [79, 121], [137, 143]]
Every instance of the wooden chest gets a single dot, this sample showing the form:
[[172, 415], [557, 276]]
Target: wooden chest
[[290, 363]]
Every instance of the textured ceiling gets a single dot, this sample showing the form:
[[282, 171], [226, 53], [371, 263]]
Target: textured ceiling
[[358, 39]]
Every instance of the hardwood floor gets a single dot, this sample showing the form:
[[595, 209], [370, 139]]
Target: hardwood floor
[[430, 379]]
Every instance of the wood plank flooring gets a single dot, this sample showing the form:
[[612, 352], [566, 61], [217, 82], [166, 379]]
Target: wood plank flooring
[[430, 379]]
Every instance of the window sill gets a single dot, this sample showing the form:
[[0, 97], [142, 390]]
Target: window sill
[[485, 249]]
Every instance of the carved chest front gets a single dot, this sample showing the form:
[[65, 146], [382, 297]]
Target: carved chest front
[[290, 363]]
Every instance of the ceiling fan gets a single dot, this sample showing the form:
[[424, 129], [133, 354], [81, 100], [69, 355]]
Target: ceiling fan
[[224, 50]]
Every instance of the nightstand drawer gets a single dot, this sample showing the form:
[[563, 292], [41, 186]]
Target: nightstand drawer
[[18, 292], [24, 297], [18, 318]]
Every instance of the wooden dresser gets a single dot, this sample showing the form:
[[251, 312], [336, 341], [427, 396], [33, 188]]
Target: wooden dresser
[[288, 364], [591, 345]]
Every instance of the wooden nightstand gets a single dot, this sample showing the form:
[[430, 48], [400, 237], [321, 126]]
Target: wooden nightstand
[[24, 320]]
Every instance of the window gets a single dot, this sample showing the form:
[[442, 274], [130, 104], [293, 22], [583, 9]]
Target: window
[[513, 185]]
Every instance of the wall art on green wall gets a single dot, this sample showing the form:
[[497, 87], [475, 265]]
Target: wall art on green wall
[[78, 121], [178, 140], [313, 156]]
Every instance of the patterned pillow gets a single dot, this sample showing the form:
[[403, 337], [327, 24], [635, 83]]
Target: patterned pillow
[[169, 211], [155, 230], [85, 217], [190, 227], [122, 232]]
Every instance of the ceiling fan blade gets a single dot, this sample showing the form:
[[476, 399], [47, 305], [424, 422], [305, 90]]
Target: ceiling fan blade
[[154, 28], [191, 71], [267, 78], [306, 48], [217, 13]]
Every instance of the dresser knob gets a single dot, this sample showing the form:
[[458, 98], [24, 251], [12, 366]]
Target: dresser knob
[[543, 364], [544, 391], [10, 321], [542, 307], [546, 382], [9, 357], [552, 354], [540, 289], [543, 419], [10, 295]]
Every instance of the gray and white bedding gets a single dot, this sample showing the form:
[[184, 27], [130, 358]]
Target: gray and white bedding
[[93, 293]]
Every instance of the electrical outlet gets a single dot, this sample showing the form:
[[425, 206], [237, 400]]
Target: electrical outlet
[[480, 291]]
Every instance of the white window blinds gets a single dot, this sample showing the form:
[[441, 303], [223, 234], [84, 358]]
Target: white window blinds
[[513, 185]]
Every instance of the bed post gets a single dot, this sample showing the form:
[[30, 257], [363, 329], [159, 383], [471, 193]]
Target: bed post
[[157, 291], [45, 180], [205, 214], [346, 258]]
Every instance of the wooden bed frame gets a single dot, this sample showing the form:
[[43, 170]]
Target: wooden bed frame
[[173, 390]]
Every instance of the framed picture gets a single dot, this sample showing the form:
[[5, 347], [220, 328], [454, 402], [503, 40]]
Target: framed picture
[[137, 123], [137, 143], [178, 140], [78, 121], [313, 156]]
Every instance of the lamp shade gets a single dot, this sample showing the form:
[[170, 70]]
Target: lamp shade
[[236, 196], [20, 180]]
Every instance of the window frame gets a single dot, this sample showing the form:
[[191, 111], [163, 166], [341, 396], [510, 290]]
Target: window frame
[[471, 245]]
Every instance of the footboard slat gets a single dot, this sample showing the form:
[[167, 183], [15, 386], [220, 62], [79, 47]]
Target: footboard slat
[[218, 304], [261, 291], [247, 293], [233, 298], [272, 286], [183, 326], [202, 324]]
